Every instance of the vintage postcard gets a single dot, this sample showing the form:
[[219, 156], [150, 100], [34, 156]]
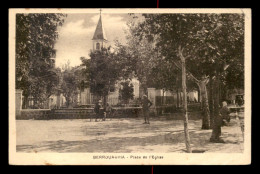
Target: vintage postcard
[[129, 86]]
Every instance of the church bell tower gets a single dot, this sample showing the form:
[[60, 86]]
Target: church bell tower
[[99, 39]]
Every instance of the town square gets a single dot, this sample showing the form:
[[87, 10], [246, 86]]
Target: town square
[[130, 82]]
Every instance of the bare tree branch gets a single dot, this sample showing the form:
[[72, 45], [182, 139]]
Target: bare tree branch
[[188, 73], [180, 53]]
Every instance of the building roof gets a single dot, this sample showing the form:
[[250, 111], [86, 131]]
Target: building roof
[[100, 32]]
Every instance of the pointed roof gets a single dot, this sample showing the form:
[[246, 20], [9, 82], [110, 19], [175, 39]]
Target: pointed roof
[[100, 32]]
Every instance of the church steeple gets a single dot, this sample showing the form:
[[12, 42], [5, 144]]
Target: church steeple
[[99, 38]]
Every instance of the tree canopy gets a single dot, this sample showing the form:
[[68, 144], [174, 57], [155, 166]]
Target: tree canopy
[[69, 85], [210, 45], [103, 69], [206, 41], [35, 38]]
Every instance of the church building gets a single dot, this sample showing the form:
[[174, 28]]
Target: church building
[[99, 39]]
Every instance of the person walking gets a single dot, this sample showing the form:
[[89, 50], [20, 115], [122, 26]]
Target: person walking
[[146, 104]]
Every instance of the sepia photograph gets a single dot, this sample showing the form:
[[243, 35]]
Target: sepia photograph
[[129, 86]]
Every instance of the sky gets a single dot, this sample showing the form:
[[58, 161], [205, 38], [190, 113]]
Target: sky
[[75, 35]]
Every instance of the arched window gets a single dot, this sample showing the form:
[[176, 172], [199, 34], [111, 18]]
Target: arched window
[[98, 46]]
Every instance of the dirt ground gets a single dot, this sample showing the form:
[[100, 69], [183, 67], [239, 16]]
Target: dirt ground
[[122, 135]]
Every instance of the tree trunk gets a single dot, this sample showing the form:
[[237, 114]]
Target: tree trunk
[[186, 123], [211, 102], [145, 90], [204, 104], [224, 93], [216, 105], [181, 103], [220, 92], [216, 97]]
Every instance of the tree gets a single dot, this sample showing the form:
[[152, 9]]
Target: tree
[[126, 92], [205, 40], [173, 35], [35, 38], [69, 85], [142, 56], [84, 73], [200, 41], [104, 69]]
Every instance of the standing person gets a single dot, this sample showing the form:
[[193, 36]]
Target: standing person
[[146, 104], [97, 109]]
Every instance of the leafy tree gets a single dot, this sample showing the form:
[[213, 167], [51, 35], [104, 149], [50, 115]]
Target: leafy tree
[[35, 38], [206, 41], [84, 73], [140, 56], [200, 45], [104, 70], [74, 80], [126, 92], [69, 85], [150, 30]]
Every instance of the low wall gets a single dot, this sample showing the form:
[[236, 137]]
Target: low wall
[[84, 113], [126, 112], [33, 114], [75, 113], [45, 114]]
